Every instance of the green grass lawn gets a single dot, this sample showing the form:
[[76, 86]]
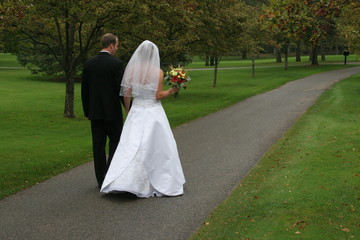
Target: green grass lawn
[[234, 61], [37, 142], [233, 86], [8, 60], [308, 185]]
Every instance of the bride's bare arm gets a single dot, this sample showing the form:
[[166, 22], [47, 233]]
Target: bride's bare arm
[[160, 94], [127, 101]]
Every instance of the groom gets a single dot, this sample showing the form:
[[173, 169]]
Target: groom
[[100, 90]]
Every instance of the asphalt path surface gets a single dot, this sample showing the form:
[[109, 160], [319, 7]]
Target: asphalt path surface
[[216, 152]]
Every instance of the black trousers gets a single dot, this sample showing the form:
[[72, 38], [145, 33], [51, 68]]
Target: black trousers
[[101, 130]]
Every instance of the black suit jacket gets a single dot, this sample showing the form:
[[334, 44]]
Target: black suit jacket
[[100, 87]]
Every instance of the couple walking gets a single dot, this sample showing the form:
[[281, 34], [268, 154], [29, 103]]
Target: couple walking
[[143, 157]]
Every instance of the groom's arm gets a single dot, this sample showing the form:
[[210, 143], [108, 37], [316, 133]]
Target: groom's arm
[[120, 74], [85, 93]]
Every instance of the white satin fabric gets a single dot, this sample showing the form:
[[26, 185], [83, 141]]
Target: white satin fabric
[[146, 162]]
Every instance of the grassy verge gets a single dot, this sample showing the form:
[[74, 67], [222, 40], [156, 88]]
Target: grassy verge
[[307, 185], [37, 142]]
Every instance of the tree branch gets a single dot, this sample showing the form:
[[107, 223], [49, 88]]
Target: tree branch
[[44, 44]]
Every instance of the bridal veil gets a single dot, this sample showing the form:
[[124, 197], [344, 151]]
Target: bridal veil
[[143, 70]]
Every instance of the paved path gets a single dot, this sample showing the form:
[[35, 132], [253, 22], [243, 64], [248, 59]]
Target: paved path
[[216, 152]]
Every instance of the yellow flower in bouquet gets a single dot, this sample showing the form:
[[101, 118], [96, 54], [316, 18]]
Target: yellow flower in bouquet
[[177, 77]]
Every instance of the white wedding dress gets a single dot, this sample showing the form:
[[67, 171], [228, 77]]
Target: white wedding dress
[[146, 162]]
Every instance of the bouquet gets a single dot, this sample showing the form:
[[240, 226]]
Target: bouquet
[[177, 77]]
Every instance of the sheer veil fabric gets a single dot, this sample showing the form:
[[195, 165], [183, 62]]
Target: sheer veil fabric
[[146, 161], [142, 70]]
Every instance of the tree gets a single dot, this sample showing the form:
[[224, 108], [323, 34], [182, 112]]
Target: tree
[[66, 30], [220, 29], [5, 45], [349, 26], [283, 21], [255, 2], [253, 34], [169, 24], [310, 20], [2, 25], [319, 20]]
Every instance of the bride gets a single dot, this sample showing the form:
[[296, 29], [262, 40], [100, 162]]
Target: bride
[[146, 162]]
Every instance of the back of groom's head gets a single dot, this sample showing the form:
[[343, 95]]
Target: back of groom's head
[[108, 39]]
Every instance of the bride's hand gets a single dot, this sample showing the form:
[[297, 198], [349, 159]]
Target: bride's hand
[[175, 89]]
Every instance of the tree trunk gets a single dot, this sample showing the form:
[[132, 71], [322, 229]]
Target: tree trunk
[[69, 96], [278, 55], [314, 56], [286, 53], [207, 60], [244, 55], [298, 52], [69, 72], [322, 52], [216, 64], [215, 75], [253, 65], [212, 59]]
